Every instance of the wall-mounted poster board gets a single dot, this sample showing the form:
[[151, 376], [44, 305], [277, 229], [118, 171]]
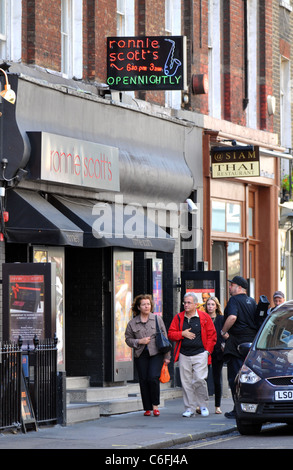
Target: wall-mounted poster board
[[29, 306]]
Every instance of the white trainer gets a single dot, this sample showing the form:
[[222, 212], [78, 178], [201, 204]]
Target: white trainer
[[204, 411], [187, 414]]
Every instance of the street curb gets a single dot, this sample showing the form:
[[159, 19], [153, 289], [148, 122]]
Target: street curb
[[184, 439]]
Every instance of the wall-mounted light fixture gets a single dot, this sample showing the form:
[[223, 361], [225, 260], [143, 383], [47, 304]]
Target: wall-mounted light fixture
[[8, 94]]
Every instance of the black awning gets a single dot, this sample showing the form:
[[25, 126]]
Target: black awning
[[111, 225], [32, 219]]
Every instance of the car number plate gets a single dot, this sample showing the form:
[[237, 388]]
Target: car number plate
[[284, 395]]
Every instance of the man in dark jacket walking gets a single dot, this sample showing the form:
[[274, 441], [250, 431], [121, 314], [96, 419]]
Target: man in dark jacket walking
[[239, 327]]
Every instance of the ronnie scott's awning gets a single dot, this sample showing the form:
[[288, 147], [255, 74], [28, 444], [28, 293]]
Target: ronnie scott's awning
[[106, 225], [32, 219]]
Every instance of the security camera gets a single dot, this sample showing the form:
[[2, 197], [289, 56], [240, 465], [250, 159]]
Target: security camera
[[192, 208]]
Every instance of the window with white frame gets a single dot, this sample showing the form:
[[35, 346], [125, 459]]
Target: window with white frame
[[10, 30], [173, 28], [121, 17], [71, 38], [285, 103], [125, 22], [214, 58], [125, 17], [252, 55]]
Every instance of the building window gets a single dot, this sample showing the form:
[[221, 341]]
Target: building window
[[285, 103], [173, 28], [71, 38], [252, 56], [226, 217], [2, 20], [65, 36], [234, 253], [10, 30], [121, 18], [214, 58], [168, 17], [125, 18]]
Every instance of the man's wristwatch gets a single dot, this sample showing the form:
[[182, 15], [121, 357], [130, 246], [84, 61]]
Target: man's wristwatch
[[223, 333]]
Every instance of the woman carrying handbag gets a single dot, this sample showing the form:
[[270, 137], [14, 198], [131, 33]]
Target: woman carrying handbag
[[140, 334]]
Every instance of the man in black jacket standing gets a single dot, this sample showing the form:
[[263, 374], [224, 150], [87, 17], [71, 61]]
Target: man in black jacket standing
[[239, 327]]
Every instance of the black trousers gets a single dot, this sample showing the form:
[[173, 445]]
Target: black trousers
[[149, 371], [217, 367]]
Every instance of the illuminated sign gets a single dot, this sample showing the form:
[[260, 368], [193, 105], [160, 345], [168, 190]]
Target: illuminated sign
[[235, 162], [146, 63], [66, 160]]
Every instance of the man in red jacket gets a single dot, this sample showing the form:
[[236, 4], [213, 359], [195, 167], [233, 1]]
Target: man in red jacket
[[195, 337]]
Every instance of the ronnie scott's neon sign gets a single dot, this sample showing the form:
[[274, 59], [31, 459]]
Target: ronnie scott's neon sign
[[146, 63]]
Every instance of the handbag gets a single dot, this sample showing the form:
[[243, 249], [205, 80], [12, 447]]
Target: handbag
[[165, 376], [162, 343]]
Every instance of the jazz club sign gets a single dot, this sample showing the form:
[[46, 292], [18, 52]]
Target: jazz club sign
[[235, 161], [146, 63]]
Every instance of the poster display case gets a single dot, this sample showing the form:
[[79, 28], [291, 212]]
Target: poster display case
[[122, 300], [29, 307], [204, 284]]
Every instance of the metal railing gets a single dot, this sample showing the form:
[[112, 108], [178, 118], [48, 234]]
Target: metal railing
[[28, 375], [10, 385], [44, 381]]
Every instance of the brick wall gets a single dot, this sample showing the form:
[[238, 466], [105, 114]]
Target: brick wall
[[42, 46], [41, 24]]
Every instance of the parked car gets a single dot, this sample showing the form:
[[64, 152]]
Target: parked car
[[264, 384]]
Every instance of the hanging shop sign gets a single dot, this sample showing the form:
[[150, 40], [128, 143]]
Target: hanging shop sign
[[235, 161], [146, 63], [66, 160]]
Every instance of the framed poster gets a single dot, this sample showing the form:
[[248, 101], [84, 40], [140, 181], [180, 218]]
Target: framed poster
[[204, 284], [123, 297], [28, 301]]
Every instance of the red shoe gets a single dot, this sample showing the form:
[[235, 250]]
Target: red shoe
[[147, 413], [156, 412]]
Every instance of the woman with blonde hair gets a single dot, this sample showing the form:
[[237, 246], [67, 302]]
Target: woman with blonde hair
[[140, 334], [213, 308]]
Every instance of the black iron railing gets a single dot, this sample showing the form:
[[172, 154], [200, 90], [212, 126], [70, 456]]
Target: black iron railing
[[44, 384], [28, 382], [10, 385]]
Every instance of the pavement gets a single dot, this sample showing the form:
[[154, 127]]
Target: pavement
[[127, 431]]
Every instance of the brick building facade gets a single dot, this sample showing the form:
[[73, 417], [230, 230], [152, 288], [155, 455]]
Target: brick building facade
[[164, 140]]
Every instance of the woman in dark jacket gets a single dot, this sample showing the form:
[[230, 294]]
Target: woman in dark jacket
[[213, 308]]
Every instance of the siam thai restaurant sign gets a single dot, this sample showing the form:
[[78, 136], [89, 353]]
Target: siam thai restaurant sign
[[146, 63], [235, 161], [65, 160]]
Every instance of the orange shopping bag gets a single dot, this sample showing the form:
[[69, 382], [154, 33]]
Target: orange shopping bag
[[165, 376]]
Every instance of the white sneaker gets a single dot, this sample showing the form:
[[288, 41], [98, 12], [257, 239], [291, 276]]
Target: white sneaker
[[204, 411], [187, 414]]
